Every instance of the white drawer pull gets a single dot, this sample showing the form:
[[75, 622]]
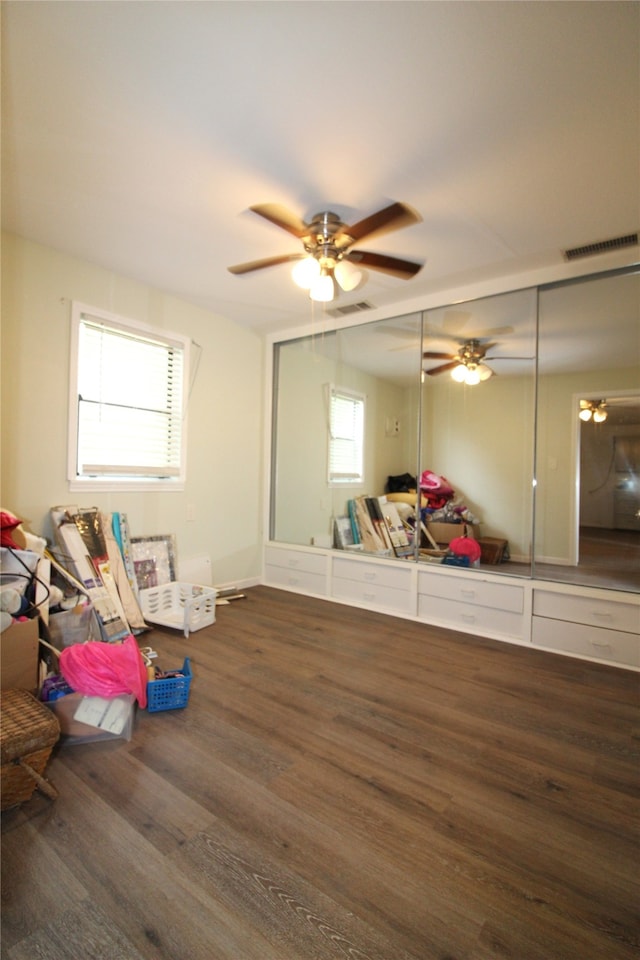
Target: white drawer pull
[[468, 594], [600, 643], [468, 618], [293, 563], [294, 581], [369, 576], [601, 615], [368, 596]]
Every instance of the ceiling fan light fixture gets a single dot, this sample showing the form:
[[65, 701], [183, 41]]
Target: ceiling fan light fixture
[[321, 290], [471, 374], [347, 276], [305, 272], [593, 409]]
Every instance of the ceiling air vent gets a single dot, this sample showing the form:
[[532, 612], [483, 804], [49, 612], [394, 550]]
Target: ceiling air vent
[[350, 308], [604, 246]]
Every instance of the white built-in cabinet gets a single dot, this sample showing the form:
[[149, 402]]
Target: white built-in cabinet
[[513, 446], [589, 623]]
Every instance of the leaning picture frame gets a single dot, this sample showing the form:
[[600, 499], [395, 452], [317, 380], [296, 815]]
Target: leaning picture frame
[[154, 560]]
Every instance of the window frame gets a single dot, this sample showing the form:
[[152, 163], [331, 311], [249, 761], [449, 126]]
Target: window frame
[[106, 481], [346, 393]]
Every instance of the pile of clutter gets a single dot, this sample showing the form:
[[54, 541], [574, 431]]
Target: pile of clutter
[[70, 615], [438, 505]]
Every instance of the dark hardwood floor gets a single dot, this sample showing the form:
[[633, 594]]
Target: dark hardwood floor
[[342, 785]]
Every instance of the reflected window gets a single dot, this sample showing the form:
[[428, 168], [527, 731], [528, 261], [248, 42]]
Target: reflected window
[[346, 436]]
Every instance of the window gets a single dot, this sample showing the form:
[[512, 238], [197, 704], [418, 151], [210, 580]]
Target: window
[[127, 421], [346, 436]]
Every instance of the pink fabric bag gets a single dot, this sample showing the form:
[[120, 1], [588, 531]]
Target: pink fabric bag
[[106, 669]]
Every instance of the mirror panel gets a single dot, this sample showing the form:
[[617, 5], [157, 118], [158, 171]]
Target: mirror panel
[[381, 361], [587, 527], [481, 436], [513, 446]]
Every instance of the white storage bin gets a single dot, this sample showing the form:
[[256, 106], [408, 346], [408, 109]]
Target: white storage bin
[[183, 606]]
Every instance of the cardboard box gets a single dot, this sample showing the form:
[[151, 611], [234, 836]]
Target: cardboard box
[[444, 533], [19, 656]]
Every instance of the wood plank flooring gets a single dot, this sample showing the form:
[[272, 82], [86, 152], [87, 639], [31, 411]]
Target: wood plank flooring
[[342, 785]]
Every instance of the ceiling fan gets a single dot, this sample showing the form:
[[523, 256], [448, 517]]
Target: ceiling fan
[[467, 365], [327, 259]]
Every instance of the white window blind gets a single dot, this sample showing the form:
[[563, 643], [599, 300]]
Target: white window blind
[[346, 436], [129, 401]]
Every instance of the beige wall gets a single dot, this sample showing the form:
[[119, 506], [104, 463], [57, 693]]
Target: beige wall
[[305, 504], [219, 514]]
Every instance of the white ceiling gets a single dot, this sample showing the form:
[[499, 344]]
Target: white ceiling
[[137, 134]]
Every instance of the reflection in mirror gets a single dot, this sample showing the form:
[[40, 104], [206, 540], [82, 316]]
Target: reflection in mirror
[[480, 435], [378, 361], [588, 490]]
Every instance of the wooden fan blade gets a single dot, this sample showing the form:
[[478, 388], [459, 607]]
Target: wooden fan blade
[[442, 368], [494, 359], [380, 261], [431, 355], [261, 264], [486, 346], [393, 217], [282, 218]]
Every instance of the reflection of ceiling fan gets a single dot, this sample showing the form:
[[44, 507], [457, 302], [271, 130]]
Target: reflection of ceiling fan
[[467, 365], [328, 259]]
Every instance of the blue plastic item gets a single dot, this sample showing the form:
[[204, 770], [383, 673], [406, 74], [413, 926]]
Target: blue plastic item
[[171, 693]]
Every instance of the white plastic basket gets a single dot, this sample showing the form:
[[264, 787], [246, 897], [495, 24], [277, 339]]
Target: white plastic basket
[[183, 606]]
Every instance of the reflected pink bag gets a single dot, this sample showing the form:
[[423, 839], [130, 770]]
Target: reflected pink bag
[[106, 669]]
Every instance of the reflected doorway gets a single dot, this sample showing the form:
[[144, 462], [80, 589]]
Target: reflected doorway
[[608, 508]]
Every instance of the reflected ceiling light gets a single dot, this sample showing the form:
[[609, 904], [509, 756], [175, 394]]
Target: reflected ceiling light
[[593, 409], [471, 373], [459, 373]]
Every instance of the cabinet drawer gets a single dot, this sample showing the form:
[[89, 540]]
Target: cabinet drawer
[[302, 580], [501, 596], [391, 574], [586, 641], [470, 617], [591, 611], [378, 596], [299, 560]]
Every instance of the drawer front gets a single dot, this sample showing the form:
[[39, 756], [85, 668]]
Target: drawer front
[[297, 560], [380, 597], [591, 611], [584, 641], [391, 574], [501, 596], [301, 580], [470, 617]]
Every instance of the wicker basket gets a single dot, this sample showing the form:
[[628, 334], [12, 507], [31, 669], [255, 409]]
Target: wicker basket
[[28, 735]]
